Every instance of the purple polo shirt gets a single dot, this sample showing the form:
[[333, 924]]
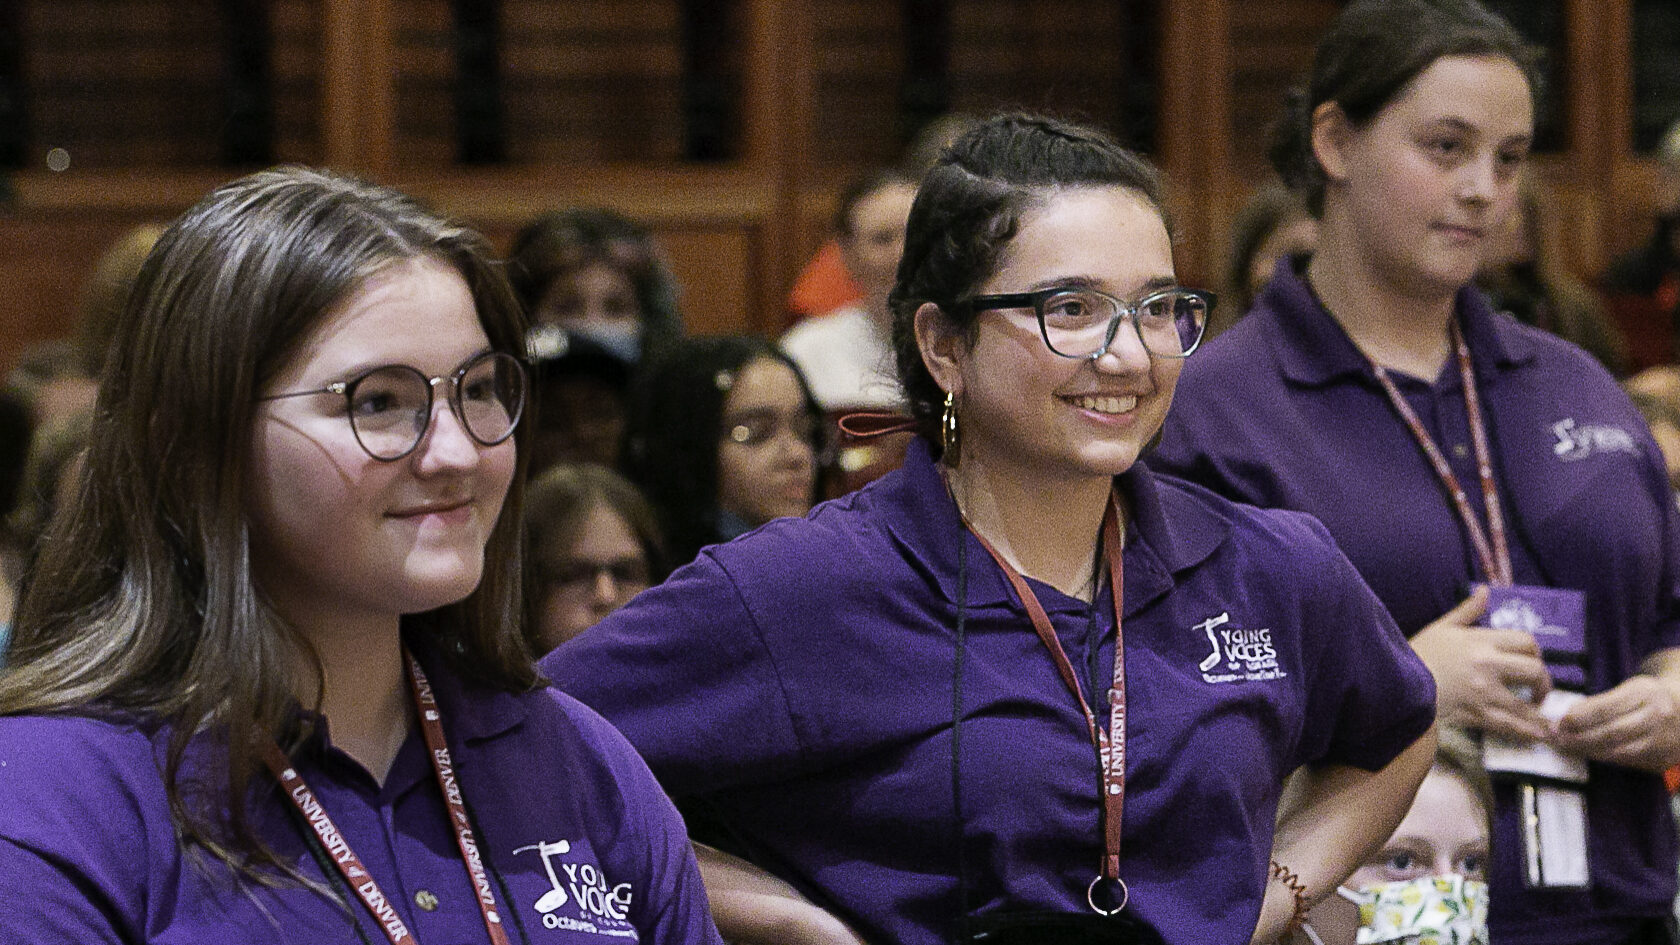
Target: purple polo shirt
[[88, 853], [799, 685], [1283, 411]]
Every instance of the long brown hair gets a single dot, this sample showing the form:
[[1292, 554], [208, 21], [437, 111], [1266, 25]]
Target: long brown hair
[[142, 606]]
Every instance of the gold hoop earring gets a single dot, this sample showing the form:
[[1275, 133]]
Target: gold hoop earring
[[949, 439]]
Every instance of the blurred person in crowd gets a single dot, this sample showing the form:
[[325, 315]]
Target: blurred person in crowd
[[593, 543], [847, 354], [269, 680], [1642, 287], [1430, 878], [1459, 456], [915, 707], [1524, 274], [1662, 381], [593, 272], [51, 479], [1273, 224], [723, 436], [58, 378], [1656, 392], [15, 429], [52, 380], [827, 284], [580, 391]]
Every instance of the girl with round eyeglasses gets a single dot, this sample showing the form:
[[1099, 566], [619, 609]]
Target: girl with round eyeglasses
[[270, 681], [1022, 689]]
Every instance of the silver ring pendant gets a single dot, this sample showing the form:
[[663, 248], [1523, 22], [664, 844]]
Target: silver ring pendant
[[1091, 896]]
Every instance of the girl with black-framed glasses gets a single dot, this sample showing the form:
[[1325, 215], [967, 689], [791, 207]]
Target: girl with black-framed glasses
[[1021, 689]]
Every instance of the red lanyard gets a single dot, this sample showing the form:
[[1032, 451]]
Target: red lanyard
[[1494, 554], [1110, 745], [350, 865]]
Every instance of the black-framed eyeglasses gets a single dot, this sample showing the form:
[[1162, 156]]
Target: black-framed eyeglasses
[[579, 573], [390, 407], [1081, 322]]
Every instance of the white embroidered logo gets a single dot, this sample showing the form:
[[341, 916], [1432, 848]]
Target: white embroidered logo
[[1578, 441], [1517, 614], [601, 908], [1238, 655]]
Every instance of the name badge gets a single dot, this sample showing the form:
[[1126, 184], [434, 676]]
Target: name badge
[[1553, 811], [1556, 617], [1537, 759]]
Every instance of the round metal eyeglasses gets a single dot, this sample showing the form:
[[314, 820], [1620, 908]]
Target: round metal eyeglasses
[[390, 407], [1082, 322]]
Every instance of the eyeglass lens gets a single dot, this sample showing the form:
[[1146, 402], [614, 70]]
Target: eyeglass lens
[[391, 407], [757, 427], [1076, 322], [624, 571]]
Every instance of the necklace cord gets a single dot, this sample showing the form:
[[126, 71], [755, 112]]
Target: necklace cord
[[1491, 545], [963, 890], [490, 867]]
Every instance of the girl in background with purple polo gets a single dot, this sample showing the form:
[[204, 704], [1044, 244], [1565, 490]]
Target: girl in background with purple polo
[[1021, 689], [269, 683], [1479, 473]]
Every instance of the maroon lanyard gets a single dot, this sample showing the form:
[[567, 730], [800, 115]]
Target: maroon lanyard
[[1110, 745], [1494, 554], [350, 865]]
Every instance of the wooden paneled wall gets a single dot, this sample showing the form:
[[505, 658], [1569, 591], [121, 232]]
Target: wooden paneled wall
[[592, 99]]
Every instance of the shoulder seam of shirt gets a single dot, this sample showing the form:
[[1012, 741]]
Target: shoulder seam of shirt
[[770, 658]]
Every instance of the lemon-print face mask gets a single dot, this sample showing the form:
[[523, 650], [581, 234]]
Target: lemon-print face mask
[[1430, 910]]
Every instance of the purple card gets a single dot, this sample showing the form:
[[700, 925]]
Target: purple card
[[1555, 617]]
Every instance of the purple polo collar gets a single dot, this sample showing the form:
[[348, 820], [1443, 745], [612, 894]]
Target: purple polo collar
[[1313, 350], [1172, 530], [471, 712]]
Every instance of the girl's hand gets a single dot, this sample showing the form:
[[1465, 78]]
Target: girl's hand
[[1635, 725], [1478, 670]]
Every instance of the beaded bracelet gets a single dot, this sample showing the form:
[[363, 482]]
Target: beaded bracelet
[[1296, 889]]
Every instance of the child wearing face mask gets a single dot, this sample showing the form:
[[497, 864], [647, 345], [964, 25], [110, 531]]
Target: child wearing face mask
[[1428, 883], [592, 272]]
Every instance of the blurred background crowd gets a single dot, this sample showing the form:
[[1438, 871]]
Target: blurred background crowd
[[652, 440], [705, 218]]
